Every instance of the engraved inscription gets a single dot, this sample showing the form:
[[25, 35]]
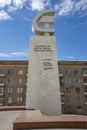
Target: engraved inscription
[[47, 64], [42, 48]]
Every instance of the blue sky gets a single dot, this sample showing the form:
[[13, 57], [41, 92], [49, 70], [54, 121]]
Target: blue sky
[[70, 27]]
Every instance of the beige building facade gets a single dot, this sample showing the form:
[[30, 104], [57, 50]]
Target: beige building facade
[[13, 80], [73, 84]]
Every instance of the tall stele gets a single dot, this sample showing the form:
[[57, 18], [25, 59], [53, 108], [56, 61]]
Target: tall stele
[[43, 89]]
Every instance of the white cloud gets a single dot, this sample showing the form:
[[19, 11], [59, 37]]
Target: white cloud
[[18, 54], [39, 4], [4, 15], [14, 54], [62, 7], [4, 3], [73, 58], [67, 7], [4, 55], [81, 5], [70, 57], [16, 4], [13, 5]]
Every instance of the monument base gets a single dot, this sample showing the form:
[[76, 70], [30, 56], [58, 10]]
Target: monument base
[[34, 119]]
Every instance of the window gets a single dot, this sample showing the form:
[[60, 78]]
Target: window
[[85, 71], [20, 90], [85, 80], [20, 72], [1, 81], [68, 80], [68, 90], [2, 72], [10, 72], [1, 101], [78, 90], [10, 81], [77, 81], [69, 109], [68, 99], [9, 100], [79, 109], [67, 72], [1, 90], [78, 99], [86, 98], [20, 81], [10, 90], [85, 90], [76, 72], [19, 100]]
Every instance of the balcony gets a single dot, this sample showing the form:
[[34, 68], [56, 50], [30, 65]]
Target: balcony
[[1, 104], [2, 84], [62, 93], [85, 102], [62, 102], [1, 93], [2, 75], [84, 74], [60, 75], [85, 93], [85, 83]]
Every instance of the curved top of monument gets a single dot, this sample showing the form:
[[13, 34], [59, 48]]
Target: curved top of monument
[[42, 22]]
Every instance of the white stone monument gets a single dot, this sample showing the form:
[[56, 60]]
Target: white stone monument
[[43, 89]]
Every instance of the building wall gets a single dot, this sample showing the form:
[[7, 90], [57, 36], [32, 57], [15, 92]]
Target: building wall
[[73, 84], [13, 82]]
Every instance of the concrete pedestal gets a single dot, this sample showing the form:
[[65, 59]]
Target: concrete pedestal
[[36, 120]]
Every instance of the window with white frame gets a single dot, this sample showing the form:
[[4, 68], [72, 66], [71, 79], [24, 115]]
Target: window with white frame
[[77, 80], [10, 72], [10, 90], [20, 80], [10, 100], [77, 89], [79, 109], [1, 90], [85, 71], [10, 80], [19, 100], [20, 90], [68, 80], [76, 72], [68, 90], [2, 72], [1, 81], [85, 80], [68, 72], [20, 72], [78, 99], [68, 99]]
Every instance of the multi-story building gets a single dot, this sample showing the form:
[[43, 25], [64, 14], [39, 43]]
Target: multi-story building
[[13, 80], [73, 84]]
